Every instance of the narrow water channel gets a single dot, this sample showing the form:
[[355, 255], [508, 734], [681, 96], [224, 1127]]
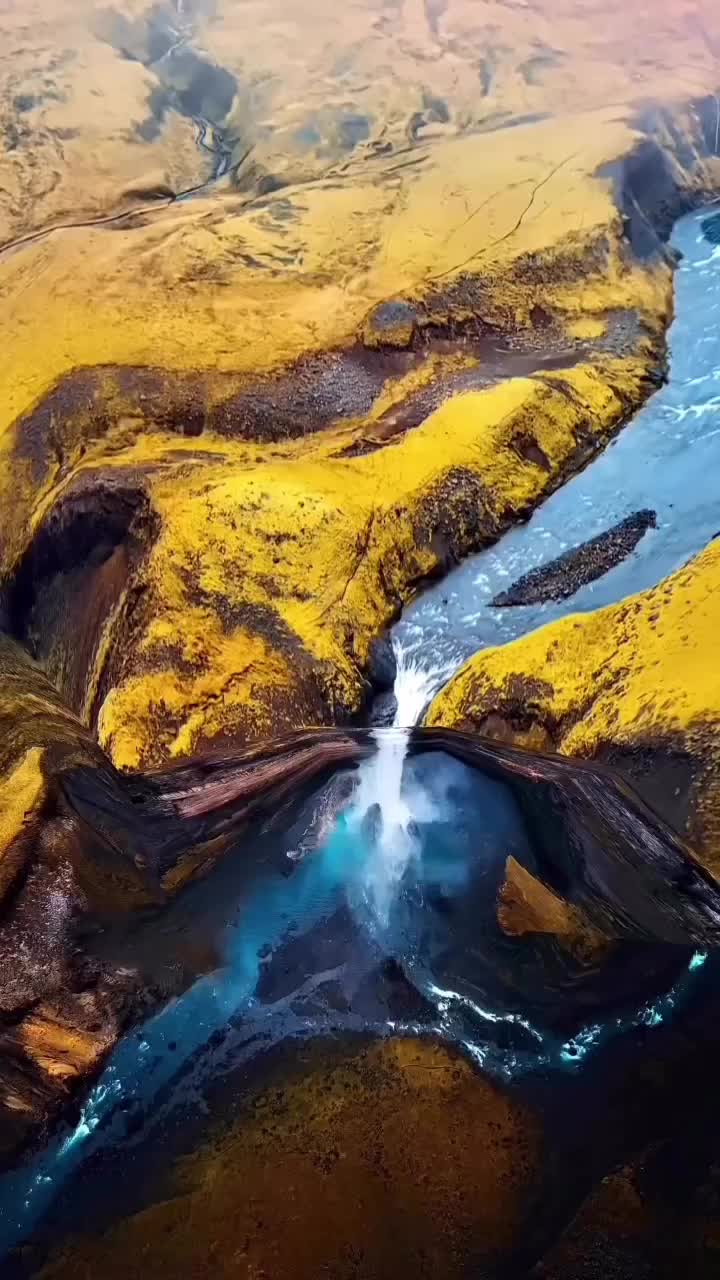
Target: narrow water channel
[[666, 460]]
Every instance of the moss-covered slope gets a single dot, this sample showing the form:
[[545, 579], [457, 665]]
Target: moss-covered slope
[[637, 682]]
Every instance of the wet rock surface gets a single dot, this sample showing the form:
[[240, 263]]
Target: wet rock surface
[[382, 664], [383, 710], [573, 569], [711, 228]]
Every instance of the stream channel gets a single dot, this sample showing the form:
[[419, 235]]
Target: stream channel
[[666, 460]]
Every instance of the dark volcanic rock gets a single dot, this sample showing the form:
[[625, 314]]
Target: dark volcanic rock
[[391, 324], [382, 711], [565, 575], [382, 664], [649, 197]]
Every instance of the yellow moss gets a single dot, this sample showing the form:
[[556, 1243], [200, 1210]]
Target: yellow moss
[[276, 563], [21, 792], [311, 1155], [81, 152], [178, 292], [355, 246], [629, 671], [642, 672], [259, 569], [585, 328], [173, 707]]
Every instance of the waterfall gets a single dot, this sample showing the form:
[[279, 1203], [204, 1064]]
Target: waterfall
[[384, 814], [414, 688], [383, 821]]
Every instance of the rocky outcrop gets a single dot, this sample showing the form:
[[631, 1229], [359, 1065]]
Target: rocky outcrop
[[634, 684], [572, 570], [527, 906]]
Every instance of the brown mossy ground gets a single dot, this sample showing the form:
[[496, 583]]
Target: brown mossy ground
[[636, 683], [393, 1159]]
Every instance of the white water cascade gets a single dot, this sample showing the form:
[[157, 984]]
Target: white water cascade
[[383, 809]]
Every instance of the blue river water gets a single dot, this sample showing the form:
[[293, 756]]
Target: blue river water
[[666, 459], [304, 956]]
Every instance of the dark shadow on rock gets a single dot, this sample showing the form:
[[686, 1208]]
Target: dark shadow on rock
[[382, 664], [383, 711]]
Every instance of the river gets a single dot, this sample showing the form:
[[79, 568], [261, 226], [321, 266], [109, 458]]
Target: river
[[666, 459]]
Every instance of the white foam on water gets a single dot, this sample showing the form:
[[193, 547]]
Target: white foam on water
[[415, 686], [386, 809], [382, 811]]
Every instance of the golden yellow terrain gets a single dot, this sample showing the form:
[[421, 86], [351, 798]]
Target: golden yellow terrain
[[314, 548], [640, 675], [247, 424], [89, 117]]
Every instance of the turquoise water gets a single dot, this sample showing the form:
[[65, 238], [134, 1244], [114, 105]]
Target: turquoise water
[[305, 956]]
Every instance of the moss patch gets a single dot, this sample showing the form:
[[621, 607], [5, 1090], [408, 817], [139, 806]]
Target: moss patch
[[638, 675]]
